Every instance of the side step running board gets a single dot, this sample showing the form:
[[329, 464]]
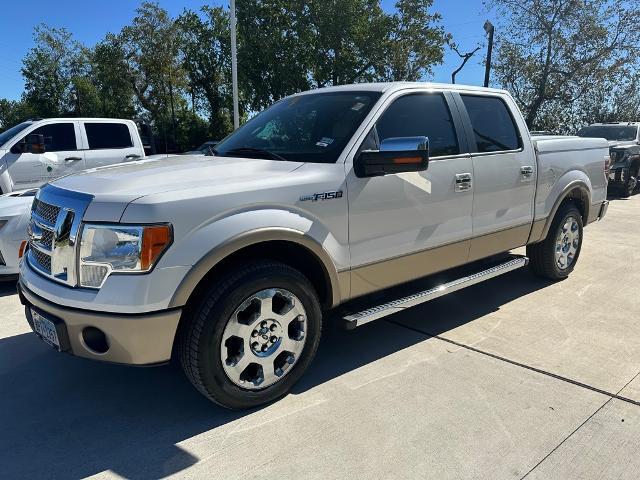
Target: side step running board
[[374, 313]]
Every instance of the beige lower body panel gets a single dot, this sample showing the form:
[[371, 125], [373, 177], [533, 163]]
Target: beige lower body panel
[[381, 275], [378, 276], [498, 242], [133, 339]]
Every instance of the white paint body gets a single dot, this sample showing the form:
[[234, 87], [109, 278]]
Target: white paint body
[[29, 170], [210, 201]]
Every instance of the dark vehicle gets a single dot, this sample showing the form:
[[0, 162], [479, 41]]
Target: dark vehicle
[[624, 148], [207, 149]]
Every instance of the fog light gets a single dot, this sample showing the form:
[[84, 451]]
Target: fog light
[[95, 339], [93, 275]]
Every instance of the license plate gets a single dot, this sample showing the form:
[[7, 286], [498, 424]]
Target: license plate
[[46, 329]]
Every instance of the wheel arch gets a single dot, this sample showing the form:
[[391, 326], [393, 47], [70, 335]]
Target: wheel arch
[[576, 191], [286, 245]]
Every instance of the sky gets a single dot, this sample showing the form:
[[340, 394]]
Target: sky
[[90, 20]]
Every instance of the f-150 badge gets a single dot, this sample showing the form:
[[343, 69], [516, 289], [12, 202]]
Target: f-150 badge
[[322, 196]]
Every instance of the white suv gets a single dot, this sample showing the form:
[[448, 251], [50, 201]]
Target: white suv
[[38, 151]]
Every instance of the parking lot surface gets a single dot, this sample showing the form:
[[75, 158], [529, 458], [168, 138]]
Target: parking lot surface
[[512, 378]]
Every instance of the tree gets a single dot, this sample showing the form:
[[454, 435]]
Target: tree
[[416, 42], [151, 50], [305, 44], [109, 74], [206, 59], [554, 54], [51, 71], [13, 112]]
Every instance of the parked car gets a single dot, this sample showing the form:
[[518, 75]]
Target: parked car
[[624, 147], [207, 148], [15, 210], [38, 151], [540, 133], [338, 197]]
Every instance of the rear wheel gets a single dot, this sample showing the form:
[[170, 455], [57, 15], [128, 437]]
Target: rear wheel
[[252, 336], [556, 256]]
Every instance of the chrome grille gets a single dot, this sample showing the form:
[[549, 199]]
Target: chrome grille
[[43, 260], [56, 216], [47, 239], [49, 213]]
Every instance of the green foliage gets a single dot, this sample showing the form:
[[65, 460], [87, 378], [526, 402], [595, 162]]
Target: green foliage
[[206, 59], [13, 112], [171, 72], [291, 45], [564, 59], [51, 70]]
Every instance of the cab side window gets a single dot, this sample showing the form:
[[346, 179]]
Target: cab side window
[[421, 114], [492, 123], [58, 137], [108, 135]]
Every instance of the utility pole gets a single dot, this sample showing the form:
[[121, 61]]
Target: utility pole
[[488, 27], [234, 66]]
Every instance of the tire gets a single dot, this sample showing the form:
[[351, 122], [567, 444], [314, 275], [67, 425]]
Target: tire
[[630, 183], [543, 260], [217, 345]]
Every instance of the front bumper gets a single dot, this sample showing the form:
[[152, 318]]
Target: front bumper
[[143, 339]]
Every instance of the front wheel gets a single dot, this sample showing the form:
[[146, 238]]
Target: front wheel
[[252, 336], [556, 256], [630, 183]]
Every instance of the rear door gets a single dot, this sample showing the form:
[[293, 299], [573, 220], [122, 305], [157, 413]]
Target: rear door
[[504, 173], [108, 143], [405, 226], [62, 156]]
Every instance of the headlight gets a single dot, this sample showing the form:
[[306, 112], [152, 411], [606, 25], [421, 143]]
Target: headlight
[[119, 248]]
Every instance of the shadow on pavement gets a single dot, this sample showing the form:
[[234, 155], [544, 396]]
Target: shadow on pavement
[[8, 286], [63, 417]]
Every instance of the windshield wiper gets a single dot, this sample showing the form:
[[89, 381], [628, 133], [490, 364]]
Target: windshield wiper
[[255, 151]]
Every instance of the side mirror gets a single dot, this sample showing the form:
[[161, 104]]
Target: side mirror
[[396, 155], [35, 143]]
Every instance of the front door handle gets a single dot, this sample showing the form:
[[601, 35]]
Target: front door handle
[[463, 182], [526, 172], [72, 159]]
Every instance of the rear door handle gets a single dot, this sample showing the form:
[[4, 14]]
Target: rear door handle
[[526, 171], [463, 182], [132, 156]]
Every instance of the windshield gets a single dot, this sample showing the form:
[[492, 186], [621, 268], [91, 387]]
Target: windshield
[[307, 128], [619, 133], [10, 133]]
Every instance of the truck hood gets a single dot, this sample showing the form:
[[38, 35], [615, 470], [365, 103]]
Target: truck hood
[[129, 181]]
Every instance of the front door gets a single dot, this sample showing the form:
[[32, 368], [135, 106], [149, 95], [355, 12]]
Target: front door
[[504, 175], [31, 170], [405, 226]]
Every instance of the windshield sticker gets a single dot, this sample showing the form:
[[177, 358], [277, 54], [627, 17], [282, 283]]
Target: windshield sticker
[[324, 142], [357, 106]]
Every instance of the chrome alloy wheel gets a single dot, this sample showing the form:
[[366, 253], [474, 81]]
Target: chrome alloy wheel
[[263, 339], [567, 243]]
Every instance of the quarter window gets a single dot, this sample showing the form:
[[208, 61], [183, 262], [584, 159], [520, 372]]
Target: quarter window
[[492, 123], [108, 135], [58, 137], [421, 114]]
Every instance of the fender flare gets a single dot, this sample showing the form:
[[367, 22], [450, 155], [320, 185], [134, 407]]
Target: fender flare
[[568, 190], [252, 237]]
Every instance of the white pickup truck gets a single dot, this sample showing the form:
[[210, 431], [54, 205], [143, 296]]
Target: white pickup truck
[[38, 151], [339, 202]]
